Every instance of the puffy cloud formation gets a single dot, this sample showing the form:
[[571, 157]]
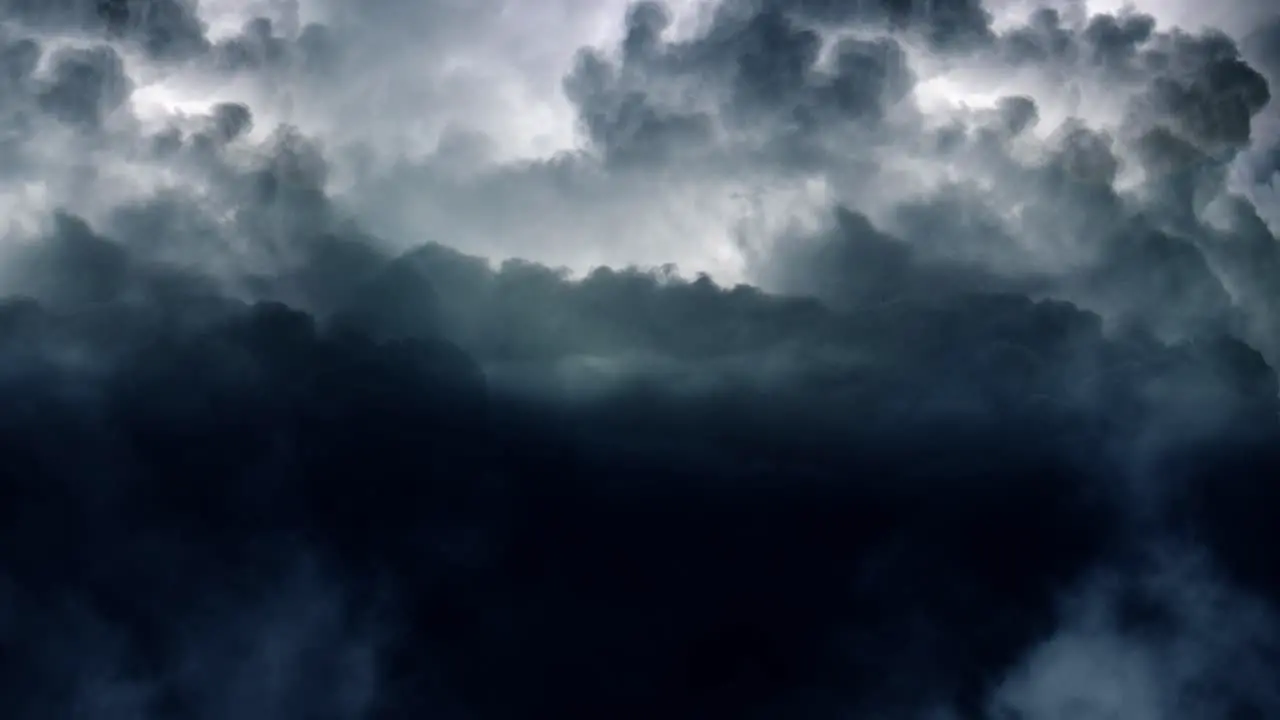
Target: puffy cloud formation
[[782, 358]]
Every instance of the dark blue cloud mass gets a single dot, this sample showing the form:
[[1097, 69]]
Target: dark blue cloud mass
[[1003, 447]]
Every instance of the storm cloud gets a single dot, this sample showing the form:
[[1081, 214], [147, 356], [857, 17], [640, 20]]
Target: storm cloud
[[768, 359]]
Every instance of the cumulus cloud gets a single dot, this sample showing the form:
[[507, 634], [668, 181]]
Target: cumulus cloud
[[717, 359]]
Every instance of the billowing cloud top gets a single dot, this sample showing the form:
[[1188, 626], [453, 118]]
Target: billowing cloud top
[[758, 358]]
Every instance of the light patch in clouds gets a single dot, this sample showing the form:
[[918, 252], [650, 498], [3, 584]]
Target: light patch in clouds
[[944, 93], [24, 206], [159, 102]]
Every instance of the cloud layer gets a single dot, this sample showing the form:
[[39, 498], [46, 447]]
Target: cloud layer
[[783, 358]]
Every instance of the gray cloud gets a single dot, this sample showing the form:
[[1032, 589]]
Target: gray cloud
[[165, 29], [85, 85], [980, 287]]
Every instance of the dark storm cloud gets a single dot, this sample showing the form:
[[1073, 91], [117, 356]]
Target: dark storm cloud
[[757, 73], [752, 82], [1198, 86], [1149, 257], [256, 463], [1108, 42], [85, 85], [1212, 102], [727, 539], [1121, 259], [856, 265], [946, 24], [1137, 276], [64, 101], [257, 46], [21, 56], [231, 120], [313, 52], [164, 29], [172, 31]]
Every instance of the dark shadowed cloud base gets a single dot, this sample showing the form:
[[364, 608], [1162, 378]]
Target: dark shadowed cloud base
[[1004, 445]]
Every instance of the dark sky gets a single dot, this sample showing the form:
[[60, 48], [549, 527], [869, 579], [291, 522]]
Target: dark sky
[[759, 359]]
